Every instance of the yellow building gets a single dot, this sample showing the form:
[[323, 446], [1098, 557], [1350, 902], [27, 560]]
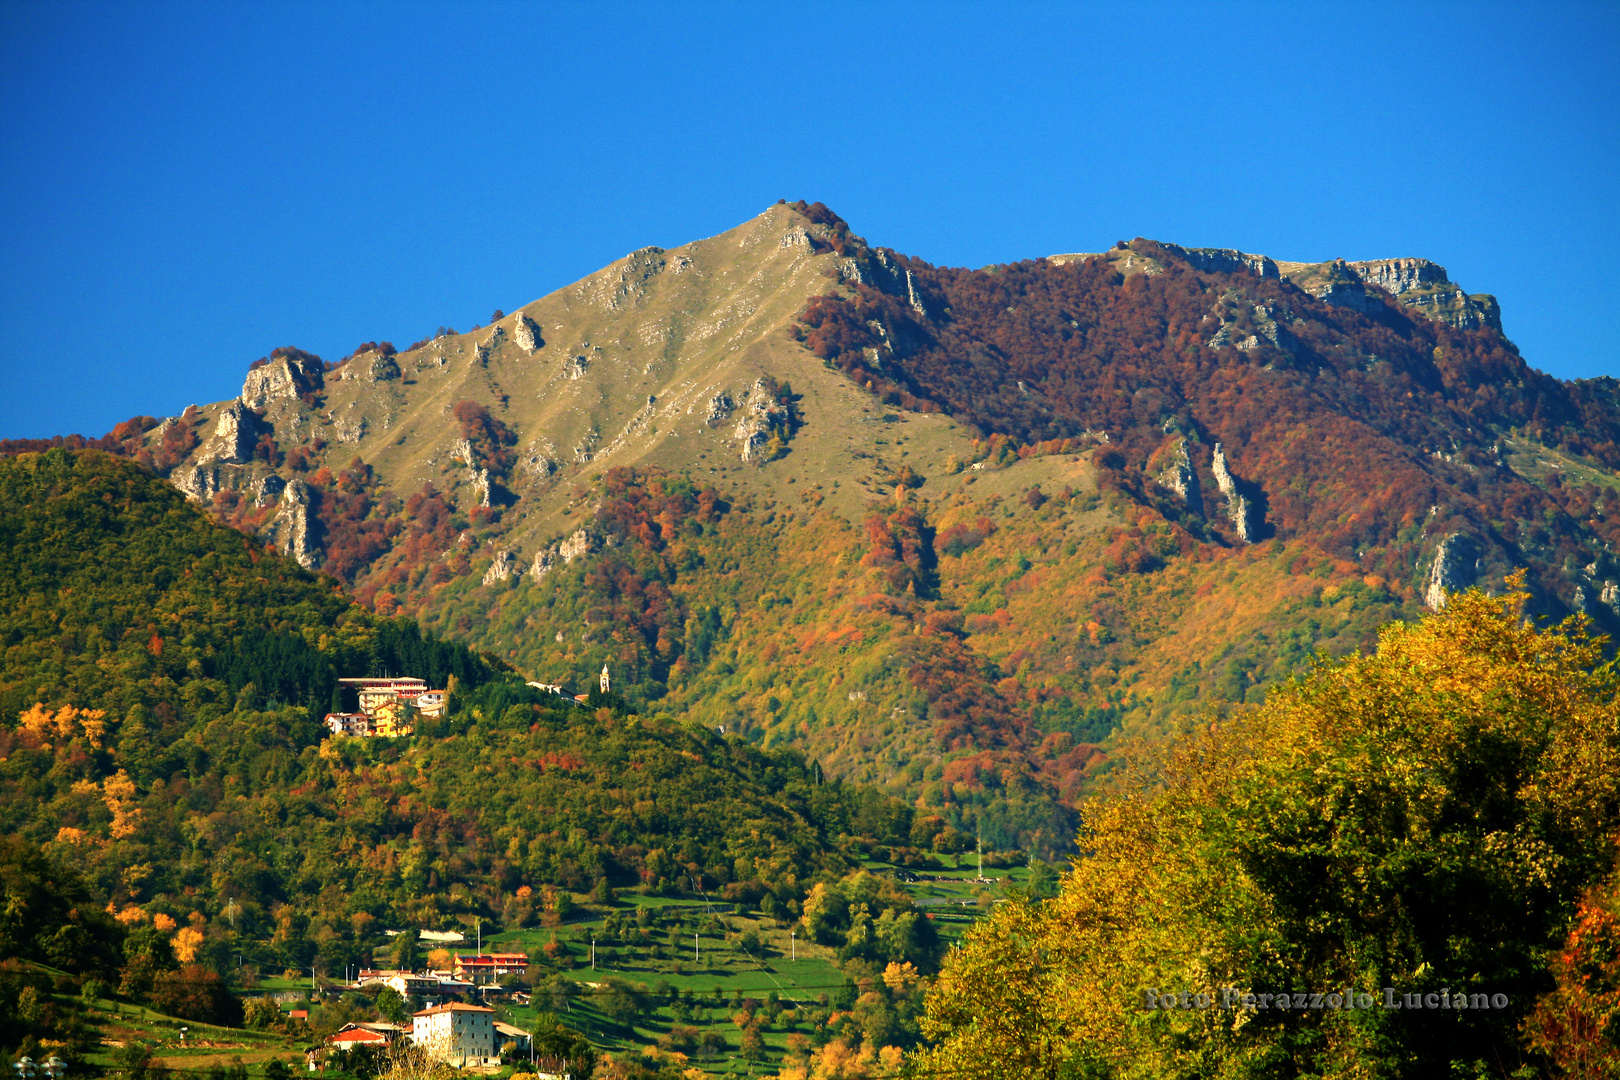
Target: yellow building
[[390, 718]]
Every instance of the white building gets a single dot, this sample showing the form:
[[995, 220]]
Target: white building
[[457, 1034]]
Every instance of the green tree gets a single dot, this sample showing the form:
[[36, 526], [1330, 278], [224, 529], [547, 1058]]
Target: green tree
[[404, 955], [621, 1002], [1423, 819], [391, 1005]]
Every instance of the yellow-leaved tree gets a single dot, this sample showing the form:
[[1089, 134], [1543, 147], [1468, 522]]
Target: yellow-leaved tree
[[1421, 821]]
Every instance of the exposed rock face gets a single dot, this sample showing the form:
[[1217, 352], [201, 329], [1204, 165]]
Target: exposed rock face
[[497, 334], [501, 569], [461, 450], [481, 484], [576, 367], [624, 283], [1180, 477], [544, 560], [1455, 565], [752, 438], [282, 377], [1610, 596], [1224, 260], [1423, 286], [1417, 285], [577, 546], [1238, 507], [1348, 294], [795, 237], [350, 429], [1267, 318], [913, 297], [291, 528], [198, 483], [525, 334], [720, 407], [268, 489], [758, 415], [235, 433]]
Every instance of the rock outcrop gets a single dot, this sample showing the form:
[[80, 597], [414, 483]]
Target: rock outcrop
[[1180, 477], [288, 375], [525, 334], [544, 560], [268, 489], [1224, 260], [481, 483], [1266, 319], [497, 334], [197, 482], [720, 407], [1424, 287], [758, 415], [293, 529], [235, 434], [581, 544], [1417, 285], [1238, 506], [502, 568], [576, 367], [1456, 562]]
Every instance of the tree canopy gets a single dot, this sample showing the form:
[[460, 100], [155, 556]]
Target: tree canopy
[[1420, 821]]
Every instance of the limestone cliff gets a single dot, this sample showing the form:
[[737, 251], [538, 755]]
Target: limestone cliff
[[1180, 477], [1454, 568], [525, 335], [1238, 506], [501, 569], [289, 373], [1418, 285], [235, 433], [293, 529]]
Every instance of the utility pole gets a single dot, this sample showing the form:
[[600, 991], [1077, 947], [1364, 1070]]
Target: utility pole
[[593, 954], [695, 953]]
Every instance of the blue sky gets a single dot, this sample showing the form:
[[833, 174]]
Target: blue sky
[[187, 186]]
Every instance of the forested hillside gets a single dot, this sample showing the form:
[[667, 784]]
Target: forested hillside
[[1370, 431], [164, 677]]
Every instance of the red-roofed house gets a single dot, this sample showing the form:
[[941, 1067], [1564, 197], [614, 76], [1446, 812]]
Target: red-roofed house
[[487, 967], [351, 1035]]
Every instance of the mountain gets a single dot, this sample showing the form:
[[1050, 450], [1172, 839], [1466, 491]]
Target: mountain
[[956, 532]]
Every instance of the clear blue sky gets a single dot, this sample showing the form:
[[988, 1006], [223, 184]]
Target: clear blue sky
[[187, 186]]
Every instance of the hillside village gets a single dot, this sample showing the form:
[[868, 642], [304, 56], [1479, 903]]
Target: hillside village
[[449, 1027]]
